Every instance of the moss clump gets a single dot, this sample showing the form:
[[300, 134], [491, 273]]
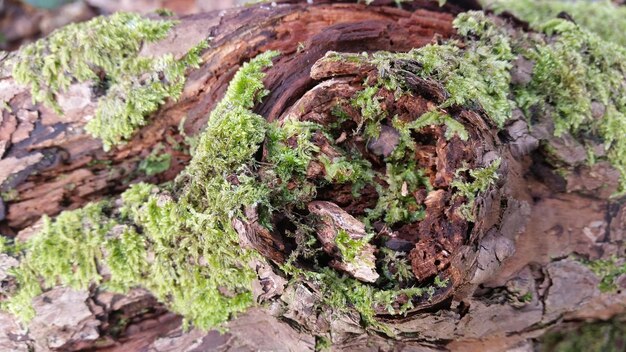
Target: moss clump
[[291, 162], [372, 112], [607, 336], [341, 170], [182, 246], [341, 293], [477, 73], [350, 248], [65, 252], [105, 51], [481, 179], [608, 270], [604, 17], [572, 72], [453, 127], [156, 162], [396, 203]]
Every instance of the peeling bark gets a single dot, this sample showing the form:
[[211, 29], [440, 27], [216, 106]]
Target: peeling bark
[[513, 276]]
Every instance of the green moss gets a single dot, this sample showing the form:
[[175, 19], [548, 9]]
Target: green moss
[[341, 170], [602, 336], [342, 293], [402, 271], [156, 162], [134, 86], [527, 297], [576, 69], [291, 161], [4, 244], [608, 270], [126, 259], [181, 247], [604, 17], [65, 252], [453, 127], [322, 344], [164, 12], [350, 248], [477, 73], [368, 102], [396, 202], [481, 179]]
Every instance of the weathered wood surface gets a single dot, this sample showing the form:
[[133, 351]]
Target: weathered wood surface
[[530, 225]]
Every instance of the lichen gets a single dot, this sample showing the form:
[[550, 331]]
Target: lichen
[[105, 52]]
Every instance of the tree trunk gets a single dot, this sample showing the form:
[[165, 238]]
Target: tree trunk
[[514, 271]]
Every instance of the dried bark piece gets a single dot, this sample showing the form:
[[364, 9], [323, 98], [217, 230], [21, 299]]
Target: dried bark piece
[[333, 219]]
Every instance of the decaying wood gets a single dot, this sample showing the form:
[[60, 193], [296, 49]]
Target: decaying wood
[[528, 226]]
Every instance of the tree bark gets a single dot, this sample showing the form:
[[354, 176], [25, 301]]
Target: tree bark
[[529, 225]]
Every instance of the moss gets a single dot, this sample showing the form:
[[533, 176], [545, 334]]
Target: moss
[[65, 252], [126, 259], [477, 73], [164, 12], [348, 247], [398, 262], [602, 336], [608, 270], [481, 179], [181, 247], [10, 195], [367, 101], [291, 161], [134, 86], [527, 297], [156, 162], [396, 202], [342, 293], [453, 127], [322, 344], [605, 18], [572, 72], [341, 170]]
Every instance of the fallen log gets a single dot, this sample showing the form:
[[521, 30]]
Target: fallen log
[[364, 182]]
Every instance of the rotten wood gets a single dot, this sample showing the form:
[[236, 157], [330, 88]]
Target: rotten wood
[[526, 230]]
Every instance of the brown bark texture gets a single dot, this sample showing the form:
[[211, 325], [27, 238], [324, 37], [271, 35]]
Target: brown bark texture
[[528, 227]]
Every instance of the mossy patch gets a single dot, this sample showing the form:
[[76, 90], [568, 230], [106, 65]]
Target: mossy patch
[[479, 181], [476, 72], [105, 52], [605, 18], [608, 270], [180, 246], [572, 72], [156, 162], [65, 252], [601, 336]]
